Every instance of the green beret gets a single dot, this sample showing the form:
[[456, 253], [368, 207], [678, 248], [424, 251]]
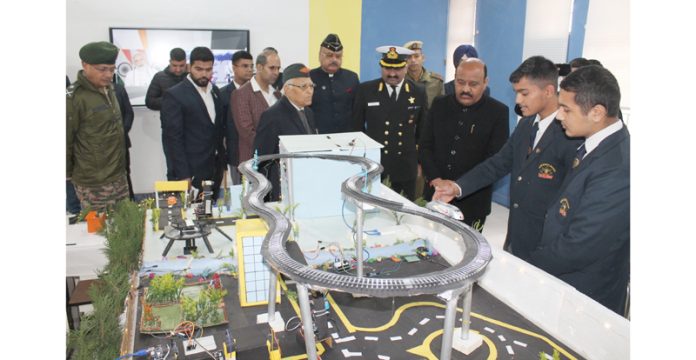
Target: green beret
[[101, 52], [295, 71]]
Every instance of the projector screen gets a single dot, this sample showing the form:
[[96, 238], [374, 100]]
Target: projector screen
[[145, 51]]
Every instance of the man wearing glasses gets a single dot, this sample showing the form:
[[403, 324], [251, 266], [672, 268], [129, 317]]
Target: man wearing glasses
[[95, 143], [291, 115], [333, 99]]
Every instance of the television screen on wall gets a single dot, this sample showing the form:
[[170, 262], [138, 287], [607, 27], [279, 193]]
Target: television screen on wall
[[145, 51]]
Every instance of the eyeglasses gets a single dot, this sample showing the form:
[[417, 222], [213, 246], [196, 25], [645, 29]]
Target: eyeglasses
[[304, 86]]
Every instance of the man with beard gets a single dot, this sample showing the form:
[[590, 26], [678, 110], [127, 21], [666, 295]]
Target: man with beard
[[463, 130], [538, 156], [391, 111], [253, 98], [335, 88], [193, 124]]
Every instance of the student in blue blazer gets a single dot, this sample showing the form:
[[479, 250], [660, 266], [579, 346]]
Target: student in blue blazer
[[586, 236], [537, 155]]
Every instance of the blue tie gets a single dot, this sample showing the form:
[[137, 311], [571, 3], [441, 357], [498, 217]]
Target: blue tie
[[579, 155], [532, 136]]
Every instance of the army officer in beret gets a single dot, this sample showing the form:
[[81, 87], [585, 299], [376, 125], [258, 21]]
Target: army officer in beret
[[96, 144], [391, 111]]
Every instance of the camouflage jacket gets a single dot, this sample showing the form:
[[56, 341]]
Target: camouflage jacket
[[95, 144], [431, 82]]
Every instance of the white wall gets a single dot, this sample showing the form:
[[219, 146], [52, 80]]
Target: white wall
[[546, 29], [281, 24], [607, 39], [460, 30]]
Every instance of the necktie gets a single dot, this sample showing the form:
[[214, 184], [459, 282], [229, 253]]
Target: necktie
[[579, 155], [532, 136], [393, 93], [303, 117]]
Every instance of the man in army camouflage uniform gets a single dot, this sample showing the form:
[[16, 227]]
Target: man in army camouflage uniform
[[95, 145], [430, 81]]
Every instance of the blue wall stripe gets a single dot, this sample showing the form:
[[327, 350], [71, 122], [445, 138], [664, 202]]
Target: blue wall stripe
[[499, 41], [394, 22], [576, 38]]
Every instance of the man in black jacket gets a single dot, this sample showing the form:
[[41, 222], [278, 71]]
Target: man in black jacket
[[290, 115], [163, 80], [193, 129], [391, 110], [538, 155], [332, 101], [464, 129]]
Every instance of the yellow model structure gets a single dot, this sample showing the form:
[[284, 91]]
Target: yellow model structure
[[254, 274]]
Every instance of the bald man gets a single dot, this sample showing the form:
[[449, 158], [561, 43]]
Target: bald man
[[538, 155], [464, 129]]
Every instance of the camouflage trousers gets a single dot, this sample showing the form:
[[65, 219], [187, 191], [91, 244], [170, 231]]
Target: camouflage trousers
[[99, 197]]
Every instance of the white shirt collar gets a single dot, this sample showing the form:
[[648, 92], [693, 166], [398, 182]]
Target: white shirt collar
[[237, 85], [543, 125], [256, 87], [593, 141], [398, 87]]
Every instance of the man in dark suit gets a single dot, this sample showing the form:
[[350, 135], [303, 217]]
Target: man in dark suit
[[391, 111], [332, 101], [537, 155], [291, 115], [243, 70], [586, 238], [463, 130], [193, 125]]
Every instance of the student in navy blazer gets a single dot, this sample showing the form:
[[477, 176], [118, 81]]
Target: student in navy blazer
[[538, 162], [194, 128], [586, 238]]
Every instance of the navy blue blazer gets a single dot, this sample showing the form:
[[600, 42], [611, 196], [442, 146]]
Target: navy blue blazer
[[586, 238], [195, 144], [535, 179], [396, 125]]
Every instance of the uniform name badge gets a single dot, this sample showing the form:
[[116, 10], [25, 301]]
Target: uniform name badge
[[374, 103]]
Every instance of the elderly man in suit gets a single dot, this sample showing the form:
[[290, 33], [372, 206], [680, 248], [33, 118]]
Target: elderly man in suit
[[586, 237], [253, 98], [193, 125], [537, 155], [291, 115], [391, 111], [463, 130]]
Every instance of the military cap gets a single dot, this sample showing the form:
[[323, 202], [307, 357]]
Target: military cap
[[332, 42], [101, 52], [393, 56], [296, 70], [414, 45]]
